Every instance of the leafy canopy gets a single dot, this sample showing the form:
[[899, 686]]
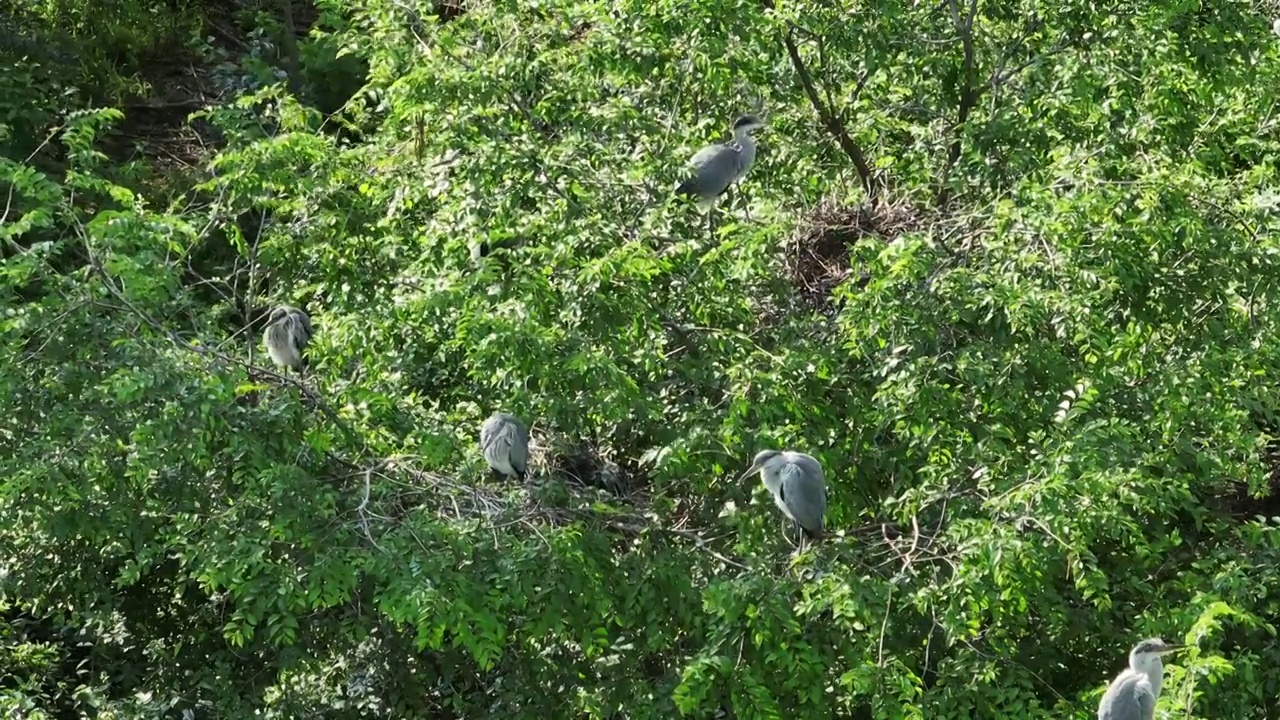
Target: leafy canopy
[[1007, 273]]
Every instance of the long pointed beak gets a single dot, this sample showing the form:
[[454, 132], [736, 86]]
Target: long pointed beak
[[752, 471], [1169, 648]]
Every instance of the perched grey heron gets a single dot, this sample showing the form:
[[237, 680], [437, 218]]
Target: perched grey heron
[[719, 165], [287, 334], [1133, 694], [504, 440], [798, 487]]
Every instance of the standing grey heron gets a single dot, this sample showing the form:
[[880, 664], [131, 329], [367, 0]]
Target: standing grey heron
[[1133, 694], [719, 165], [798, 487], [504, 440], [287, 334]]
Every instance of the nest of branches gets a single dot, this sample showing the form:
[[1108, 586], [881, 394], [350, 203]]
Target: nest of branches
[[565, 479], [817, 254], [583, 463]]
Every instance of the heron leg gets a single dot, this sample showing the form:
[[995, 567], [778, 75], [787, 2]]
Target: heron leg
[[746, 207]]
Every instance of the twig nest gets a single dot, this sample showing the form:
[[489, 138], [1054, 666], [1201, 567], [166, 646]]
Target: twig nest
[[817, 254]]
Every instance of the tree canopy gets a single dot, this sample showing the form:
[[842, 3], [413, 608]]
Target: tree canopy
[[1005, 269]]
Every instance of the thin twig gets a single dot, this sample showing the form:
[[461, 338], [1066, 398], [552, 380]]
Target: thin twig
[[364, 504], [12, 186], [884, 625], [700, 541]]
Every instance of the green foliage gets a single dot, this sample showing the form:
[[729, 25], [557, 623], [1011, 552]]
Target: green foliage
[[1046, 414], [103, 45]]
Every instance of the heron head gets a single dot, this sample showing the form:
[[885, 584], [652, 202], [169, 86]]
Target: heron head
[[277, 314], [759, 462], [1153, 648], [747, 123]]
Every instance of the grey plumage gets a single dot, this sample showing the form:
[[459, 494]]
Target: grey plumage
[[719, 165], [1133, 694], [504, 441], [798, 486], [286, 336]]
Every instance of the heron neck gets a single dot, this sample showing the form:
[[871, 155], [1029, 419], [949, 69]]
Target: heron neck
[[744, 139], [1154, 670]]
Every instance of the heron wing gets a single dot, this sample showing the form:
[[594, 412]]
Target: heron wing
[[276, 336], [497, 447], [489, 433], [504, 439], [298, 330], [519, 444], [707, 154], [302, 326], [1128, 698], [811, 467], [716, 167], [805, 496]]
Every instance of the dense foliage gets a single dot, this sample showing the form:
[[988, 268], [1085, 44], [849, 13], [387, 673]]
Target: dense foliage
[[1006, 269]]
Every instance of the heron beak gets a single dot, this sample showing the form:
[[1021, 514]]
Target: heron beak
[[1170, 648], [755, 468]]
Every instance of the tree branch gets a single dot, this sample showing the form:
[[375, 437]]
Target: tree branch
[[697, 539], [290, 46], [969, 94], [832, 121]]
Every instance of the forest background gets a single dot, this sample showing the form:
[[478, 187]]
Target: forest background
[[1008, 272]]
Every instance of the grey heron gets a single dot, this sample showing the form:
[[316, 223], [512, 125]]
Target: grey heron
[[1133, 694], [798, 487], [287, 334], [504, 440], [719, 165]]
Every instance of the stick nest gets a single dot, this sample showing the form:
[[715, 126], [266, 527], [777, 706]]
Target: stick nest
[[817, 253]]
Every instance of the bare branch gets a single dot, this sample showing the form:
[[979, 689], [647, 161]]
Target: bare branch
[[832, 121], [252, 298], [969, 93], [698, 540]]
